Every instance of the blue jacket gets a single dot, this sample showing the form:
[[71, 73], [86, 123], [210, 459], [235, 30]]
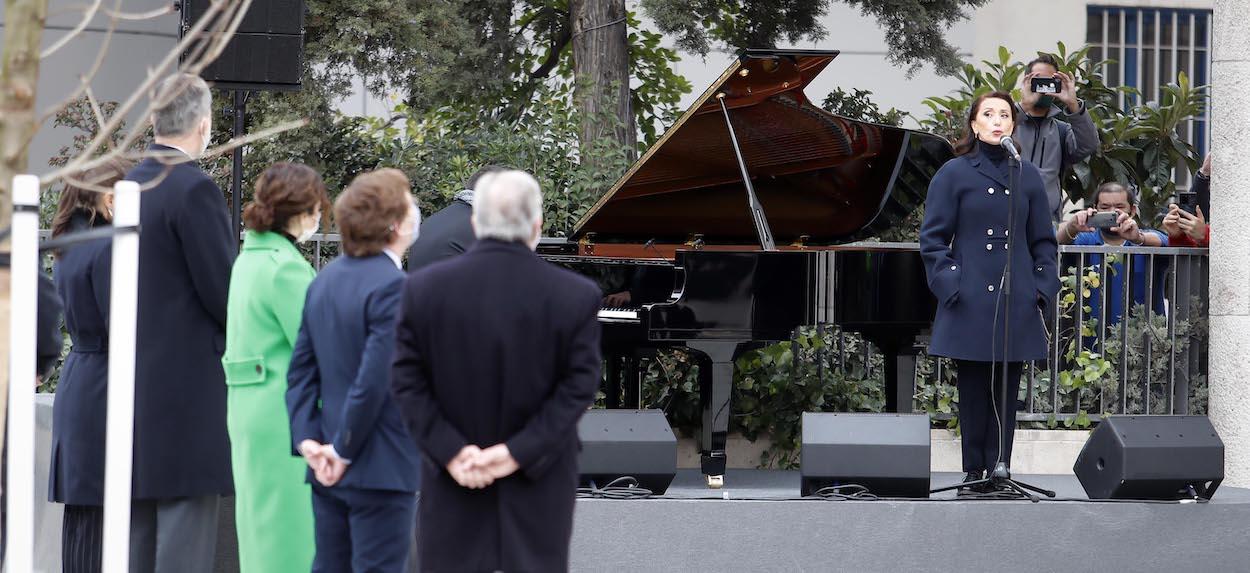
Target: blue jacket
[[185, 256], [339, 388], [963, 243], [82, 275]]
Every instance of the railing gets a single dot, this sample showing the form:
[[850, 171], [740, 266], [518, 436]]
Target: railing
[[1143, 325], [1128, 335]]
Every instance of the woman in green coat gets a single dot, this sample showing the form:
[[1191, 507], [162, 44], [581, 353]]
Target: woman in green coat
[[273, 508]]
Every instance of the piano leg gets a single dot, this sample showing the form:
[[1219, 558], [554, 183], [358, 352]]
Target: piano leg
[[612, 386], [632, 383], [716, 374], [900, 381]]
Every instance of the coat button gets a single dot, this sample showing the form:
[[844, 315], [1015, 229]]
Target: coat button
[[1007, 191], [1006, 232], [1039, 269], [953, 267], [990, 288], [989, 232], [989, 246], [258, 369], [991, 190]]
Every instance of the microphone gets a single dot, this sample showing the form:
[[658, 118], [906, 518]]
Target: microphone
[[1010, 145]]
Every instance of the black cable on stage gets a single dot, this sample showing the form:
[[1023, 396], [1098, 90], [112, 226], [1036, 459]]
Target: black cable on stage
[[624, 487], [845, 492]]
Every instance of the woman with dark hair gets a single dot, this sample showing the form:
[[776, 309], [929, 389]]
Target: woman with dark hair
[[82, 275], [273, 507], [968, 222]]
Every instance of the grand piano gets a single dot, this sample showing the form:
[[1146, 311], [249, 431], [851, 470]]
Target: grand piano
[[741, 223]]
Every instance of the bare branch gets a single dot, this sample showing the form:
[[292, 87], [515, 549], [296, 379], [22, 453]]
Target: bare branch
[[138, 16], [95, 107], [174, 157], [228, 7], [82, 25], [86, 79]]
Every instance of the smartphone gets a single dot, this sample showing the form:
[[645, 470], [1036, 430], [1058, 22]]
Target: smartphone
[[1103, 220], [1188, 201], [1049, 85]]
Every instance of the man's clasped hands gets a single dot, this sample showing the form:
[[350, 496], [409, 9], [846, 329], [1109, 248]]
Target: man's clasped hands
[[473, 467]]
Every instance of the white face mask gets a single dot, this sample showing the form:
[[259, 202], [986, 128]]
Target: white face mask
[[415, 230], [309, 231]]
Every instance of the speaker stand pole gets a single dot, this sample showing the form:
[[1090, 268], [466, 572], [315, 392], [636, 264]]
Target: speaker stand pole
[[236, 168]]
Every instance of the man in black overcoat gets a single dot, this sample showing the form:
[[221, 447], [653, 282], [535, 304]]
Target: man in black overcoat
[[497, 357], [448, 232], [181, 449]]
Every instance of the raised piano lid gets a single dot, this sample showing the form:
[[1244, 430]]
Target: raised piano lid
[[822, 179]]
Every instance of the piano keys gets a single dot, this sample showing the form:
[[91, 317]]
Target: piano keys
[[741, 224]]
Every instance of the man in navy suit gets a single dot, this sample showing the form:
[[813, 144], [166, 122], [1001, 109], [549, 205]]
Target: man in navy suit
[[181, 449], [497, 357], [363, 464]]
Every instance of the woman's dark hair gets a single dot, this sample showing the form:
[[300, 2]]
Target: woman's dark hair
[[969, 141], [284, 190], [81, 194]]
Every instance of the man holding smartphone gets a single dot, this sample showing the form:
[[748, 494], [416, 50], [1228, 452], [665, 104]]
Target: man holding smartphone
[[1055, 133], [1113, 222]]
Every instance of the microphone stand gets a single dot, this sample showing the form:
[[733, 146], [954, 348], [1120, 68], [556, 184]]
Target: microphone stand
[[1000, 476]]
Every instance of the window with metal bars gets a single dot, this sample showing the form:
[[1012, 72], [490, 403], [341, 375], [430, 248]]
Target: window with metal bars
[[1150, 47]]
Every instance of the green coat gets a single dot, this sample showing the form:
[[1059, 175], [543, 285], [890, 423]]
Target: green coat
[[273, 505]]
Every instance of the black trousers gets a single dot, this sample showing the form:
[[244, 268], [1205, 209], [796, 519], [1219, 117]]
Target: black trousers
[[978, 425], [82, 538]]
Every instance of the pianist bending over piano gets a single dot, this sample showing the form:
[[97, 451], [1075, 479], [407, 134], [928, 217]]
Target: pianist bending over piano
[[990, 311]]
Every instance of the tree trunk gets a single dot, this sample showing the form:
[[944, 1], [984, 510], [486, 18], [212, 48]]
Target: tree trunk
[[19, 75], [601, 71]]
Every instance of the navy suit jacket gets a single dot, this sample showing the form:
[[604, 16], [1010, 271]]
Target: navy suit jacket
[[186, 252], [339, 381]]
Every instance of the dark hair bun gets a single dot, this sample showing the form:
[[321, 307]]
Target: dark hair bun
[[258, 216]]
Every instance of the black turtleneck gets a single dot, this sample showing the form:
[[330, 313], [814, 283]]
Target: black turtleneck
[[997, 157]]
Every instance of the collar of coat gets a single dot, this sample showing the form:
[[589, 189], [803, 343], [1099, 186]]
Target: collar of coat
[[987, 169], [266, 241]]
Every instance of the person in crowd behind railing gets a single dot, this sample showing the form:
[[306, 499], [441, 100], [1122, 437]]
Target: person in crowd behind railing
[[1055, 132], [273, 507], [497, 357], [363, 464], [964, 244], [181, 449], [1116, 198], [448, 232], [1186, 229], [82, 275]]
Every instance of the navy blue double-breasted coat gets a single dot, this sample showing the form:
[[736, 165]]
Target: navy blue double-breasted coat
[[963, 243]]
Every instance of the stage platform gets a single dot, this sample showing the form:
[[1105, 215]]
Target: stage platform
[[758, 522]]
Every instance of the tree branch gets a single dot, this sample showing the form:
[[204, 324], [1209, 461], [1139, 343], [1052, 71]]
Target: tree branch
[[82, 25], [216, 42]]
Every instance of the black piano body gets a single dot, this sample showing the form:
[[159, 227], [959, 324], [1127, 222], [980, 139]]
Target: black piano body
[[691, 253]]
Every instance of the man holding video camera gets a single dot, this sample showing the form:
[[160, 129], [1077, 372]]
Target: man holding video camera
[[1051, 142]]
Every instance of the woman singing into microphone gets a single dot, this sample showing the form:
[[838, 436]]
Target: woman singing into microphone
[[963, 242]]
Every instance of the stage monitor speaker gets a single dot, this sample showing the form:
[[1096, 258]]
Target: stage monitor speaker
[[266, 51], [1151, 457], [636, 443], [886, 453]]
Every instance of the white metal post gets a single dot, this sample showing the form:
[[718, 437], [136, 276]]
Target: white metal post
[[119, 433], [24, 273]]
